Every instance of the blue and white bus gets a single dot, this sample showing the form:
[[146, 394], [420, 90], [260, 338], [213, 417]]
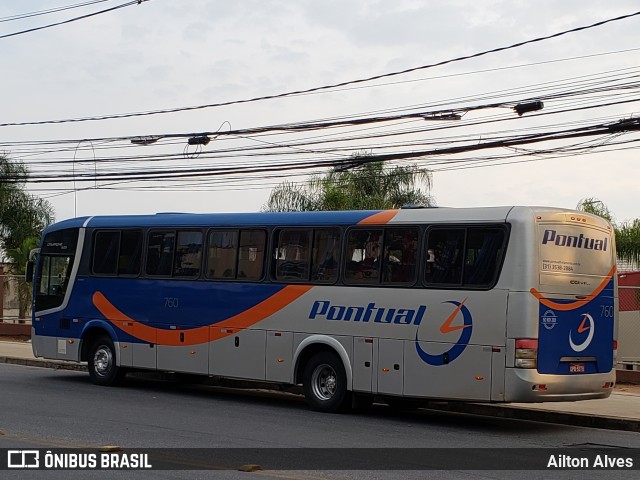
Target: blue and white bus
[[501, 304]]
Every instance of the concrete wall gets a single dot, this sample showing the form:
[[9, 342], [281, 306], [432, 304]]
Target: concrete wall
[[9, 321], [9, 308]]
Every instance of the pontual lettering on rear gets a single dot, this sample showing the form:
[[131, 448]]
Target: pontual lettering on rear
[[574, 241]]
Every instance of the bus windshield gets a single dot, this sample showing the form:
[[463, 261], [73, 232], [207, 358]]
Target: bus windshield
[[55, 263]]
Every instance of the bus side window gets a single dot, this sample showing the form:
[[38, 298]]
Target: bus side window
[[484, 255], [400, 252], [130, 252], [105, 252], [222, 253], [188, 254], [445, 251], [293, 255], [363, 256], [160, 253], [251, 254], [325, 254], [117, 252]]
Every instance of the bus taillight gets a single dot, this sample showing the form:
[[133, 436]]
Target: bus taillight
[[526, 353], [615, 351]]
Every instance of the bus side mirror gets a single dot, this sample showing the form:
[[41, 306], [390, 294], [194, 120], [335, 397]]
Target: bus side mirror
[[28, 272]]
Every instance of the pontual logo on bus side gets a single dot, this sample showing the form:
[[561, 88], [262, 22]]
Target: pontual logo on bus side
[[370, 313], [580, 241], [447, 327], [451, 326]]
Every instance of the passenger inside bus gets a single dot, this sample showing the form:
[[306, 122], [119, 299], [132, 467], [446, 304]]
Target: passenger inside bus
[[365, 259]]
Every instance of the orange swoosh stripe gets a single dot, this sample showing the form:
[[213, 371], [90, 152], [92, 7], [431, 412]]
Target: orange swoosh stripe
[[446, 327], [207, 333], [379, 218], [582, 328], [578, 303]]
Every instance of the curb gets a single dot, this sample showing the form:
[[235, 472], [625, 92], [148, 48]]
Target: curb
[[34, 362], [482, 409], [535, 415]]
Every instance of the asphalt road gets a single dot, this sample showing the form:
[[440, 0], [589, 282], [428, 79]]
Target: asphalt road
[[44, 408]]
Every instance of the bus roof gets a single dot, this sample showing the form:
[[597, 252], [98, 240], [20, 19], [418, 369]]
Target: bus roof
[[266, 219], [439, 214]]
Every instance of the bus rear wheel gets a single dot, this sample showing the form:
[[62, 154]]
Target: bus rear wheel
[[102, 363], [325, 383]]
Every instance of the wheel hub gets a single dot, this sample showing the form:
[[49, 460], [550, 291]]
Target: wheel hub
[[103, 361], [323, 382]]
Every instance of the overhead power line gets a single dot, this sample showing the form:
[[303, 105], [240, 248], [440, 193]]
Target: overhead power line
[[22, 16], [580, 98], [314, 89], [82, 17], [299, 145], [616, 128], [609, 83], [261, 181]]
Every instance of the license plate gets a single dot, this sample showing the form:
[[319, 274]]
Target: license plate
[[576, 368]]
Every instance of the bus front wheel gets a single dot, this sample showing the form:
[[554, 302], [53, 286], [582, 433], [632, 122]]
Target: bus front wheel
[[102, 363], [325, 383]]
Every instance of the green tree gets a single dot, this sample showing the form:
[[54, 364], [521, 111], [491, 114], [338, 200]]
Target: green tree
[[368, 185], [596, 207], [22, 219], [18, 258], [627, 233], [628, 241], [22, 215]]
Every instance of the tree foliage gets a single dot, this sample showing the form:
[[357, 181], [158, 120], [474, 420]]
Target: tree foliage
[[22, 215], [628, 241], [19, 257], [22, 219], [627, 233], [367, 185], [596, 207]]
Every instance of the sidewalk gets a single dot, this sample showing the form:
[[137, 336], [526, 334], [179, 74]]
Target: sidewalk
[[621, 411]]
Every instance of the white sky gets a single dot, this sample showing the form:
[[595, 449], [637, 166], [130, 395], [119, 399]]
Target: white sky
[[166, 54]]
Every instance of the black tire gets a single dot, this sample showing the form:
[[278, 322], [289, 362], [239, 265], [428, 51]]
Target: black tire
[[102, 363], [325, 383]]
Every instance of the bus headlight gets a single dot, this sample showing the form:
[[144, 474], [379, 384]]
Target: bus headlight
[[526, 353]]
